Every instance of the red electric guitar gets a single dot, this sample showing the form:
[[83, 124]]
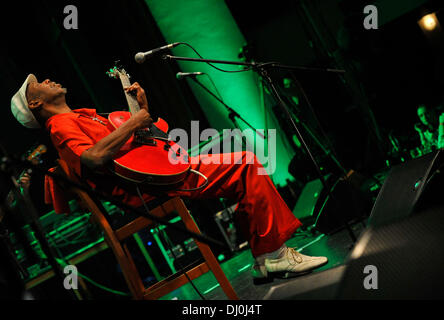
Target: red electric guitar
[[149, 156]]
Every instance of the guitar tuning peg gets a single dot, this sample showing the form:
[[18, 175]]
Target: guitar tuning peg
[[117, 64]]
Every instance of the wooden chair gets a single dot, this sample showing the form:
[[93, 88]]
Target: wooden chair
[[115, 240]]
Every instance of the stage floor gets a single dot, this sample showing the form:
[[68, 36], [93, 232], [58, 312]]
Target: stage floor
[[335, 247]]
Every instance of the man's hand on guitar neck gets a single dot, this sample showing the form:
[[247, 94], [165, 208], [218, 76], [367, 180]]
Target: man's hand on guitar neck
[[138, 91]]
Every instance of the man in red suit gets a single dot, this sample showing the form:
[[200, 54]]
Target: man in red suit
[[83, 140]]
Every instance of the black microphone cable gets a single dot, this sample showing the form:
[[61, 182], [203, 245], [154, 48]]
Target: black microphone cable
[[210, 64]]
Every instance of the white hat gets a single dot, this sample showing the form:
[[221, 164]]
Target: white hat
[[19, 105]]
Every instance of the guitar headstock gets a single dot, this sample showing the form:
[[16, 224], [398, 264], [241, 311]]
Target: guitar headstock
[[117, 72]]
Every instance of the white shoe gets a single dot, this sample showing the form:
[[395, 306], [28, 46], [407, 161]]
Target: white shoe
[[293, 263]]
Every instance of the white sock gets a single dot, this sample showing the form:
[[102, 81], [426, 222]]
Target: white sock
[[279, 253]]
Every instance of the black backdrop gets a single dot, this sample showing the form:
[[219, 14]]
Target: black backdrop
[[399, 67]]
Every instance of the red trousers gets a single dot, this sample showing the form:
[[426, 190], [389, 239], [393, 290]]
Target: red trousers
[[264, 217]]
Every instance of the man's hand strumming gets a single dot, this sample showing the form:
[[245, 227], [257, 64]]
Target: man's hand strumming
[[142, 119]]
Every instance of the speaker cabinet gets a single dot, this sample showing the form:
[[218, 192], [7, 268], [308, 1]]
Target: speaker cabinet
[[309, 202], [401, 260], [403, 247], [403, 187]]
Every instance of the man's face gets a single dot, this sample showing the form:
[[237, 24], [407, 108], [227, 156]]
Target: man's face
[[423, 115], [47, 91]]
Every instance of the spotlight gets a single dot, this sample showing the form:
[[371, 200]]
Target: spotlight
[[429, 22]]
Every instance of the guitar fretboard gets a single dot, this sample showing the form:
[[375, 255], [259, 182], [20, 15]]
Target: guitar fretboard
[[132, 101]]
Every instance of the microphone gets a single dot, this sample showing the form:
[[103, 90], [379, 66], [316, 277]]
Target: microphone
[[140, 57], [181, 75]]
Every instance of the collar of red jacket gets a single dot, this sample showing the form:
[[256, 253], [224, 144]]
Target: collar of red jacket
[[75, 113]]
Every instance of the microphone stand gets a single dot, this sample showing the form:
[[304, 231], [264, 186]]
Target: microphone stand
[[26, 205], [261, 68], [232, 113], [324, 149]]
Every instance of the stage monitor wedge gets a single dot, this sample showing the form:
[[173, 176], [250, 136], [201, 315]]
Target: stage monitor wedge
[[403, 189], [401, 260]]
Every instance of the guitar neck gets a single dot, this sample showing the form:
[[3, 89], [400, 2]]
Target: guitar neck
[[132, 101]]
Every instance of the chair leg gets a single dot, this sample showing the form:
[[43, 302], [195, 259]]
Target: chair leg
[[136, 280], [208, 255], [122, 255]]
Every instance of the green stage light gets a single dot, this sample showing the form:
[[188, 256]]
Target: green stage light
[[209, 27]]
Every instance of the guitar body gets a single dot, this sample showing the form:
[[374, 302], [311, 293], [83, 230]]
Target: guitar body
[[151, 159]]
